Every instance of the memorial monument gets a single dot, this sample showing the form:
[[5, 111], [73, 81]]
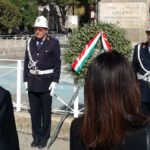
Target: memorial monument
[[133, 16]]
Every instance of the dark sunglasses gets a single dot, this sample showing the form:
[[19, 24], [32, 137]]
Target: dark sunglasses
[[39, 29]]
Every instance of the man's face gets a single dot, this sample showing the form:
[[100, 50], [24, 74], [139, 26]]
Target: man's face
[[148, 36], [40, 32]]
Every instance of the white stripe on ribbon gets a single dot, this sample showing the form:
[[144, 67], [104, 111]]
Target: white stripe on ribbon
[[88, 49], [104, 44]]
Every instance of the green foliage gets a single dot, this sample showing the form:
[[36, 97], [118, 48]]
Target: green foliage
[[78, 40], [28, 9], [64, 6], [64, 2], [9, 15]]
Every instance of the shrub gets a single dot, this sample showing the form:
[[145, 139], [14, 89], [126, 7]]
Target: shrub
[[79, 38], [9, 15]]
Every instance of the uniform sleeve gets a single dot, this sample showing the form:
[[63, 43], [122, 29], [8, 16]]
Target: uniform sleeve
[[57, 62], [135, 60], [26, 62]]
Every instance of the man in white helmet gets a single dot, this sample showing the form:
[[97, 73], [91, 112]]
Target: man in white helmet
[[41, 74]]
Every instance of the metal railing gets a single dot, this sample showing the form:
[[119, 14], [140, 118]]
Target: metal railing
[[5, 39], [15, 68]]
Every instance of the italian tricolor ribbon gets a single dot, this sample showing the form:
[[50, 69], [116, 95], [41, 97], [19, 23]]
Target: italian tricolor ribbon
[[88, 50]]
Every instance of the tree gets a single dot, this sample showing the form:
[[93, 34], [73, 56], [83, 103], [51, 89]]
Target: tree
[[63, 6], [9, 15], [28, 9], [86, 4]]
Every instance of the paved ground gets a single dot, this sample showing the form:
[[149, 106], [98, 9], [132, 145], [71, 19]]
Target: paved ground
[[23, 123], [25, 140]]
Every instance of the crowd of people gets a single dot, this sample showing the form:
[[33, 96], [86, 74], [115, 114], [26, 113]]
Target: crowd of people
[[116, 97]]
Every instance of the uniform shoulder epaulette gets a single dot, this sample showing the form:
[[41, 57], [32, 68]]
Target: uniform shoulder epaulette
[[29, 38], [33, 37], [51, 37]]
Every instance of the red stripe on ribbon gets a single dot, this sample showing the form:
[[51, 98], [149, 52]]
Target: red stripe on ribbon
[[83, 51]]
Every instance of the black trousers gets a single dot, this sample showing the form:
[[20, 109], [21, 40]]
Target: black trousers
[[40, 109], [145, 91], [145, 97]]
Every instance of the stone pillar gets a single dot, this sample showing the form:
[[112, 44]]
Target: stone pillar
[[133, 16]]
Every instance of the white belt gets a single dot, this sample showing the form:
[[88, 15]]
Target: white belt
[[145, 77], [41, 72]]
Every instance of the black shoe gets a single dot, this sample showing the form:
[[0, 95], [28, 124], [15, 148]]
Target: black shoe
[[42, 144], [35, 143]]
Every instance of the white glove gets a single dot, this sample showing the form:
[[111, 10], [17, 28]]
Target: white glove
[[26, 85], [52, 88]]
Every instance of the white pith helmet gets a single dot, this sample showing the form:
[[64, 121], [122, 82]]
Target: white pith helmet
[[41, 21]]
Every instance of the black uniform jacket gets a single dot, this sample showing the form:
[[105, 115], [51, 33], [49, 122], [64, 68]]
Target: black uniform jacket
[[137, 138], [48, 57], [145, 58], [8, 133]]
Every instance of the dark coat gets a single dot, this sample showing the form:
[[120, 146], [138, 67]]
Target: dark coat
[[48, 57], [145, 59], [8, 133], [136, 139]]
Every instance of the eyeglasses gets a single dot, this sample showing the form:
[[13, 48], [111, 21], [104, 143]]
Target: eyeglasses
[[38, 29]]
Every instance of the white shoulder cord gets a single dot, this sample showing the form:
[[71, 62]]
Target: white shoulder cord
[[32, 63], [147, 72]]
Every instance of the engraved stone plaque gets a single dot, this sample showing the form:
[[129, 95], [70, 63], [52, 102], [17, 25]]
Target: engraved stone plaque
[[126, 15], [133, 16]]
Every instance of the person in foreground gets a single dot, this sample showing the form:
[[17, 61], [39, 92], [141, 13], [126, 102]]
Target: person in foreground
[[8, 132], [112, 120]]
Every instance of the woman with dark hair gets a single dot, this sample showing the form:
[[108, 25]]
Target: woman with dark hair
[[111, 120], [8, 132]]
